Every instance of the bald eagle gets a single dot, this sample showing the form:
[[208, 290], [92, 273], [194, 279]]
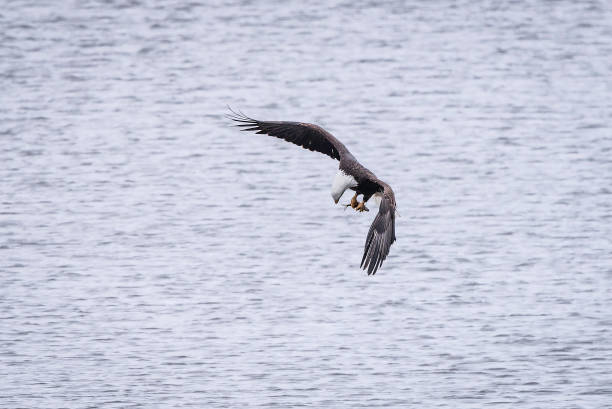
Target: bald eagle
[[351, 175]]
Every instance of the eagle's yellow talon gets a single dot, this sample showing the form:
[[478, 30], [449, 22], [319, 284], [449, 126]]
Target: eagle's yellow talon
[[361, 207], [353, 203]]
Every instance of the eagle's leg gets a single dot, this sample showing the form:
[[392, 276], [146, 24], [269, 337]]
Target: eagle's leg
[[361, 207], [354, 202]]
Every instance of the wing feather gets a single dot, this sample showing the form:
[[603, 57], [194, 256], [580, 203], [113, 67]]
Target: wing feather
[[308, 136], [381, 234]]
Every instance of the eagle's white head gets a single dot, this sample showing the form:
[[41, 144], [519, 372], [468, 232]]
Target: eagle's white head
[[341, 182]]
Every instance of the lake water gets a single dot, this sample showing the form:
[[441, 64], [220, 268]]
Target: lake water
[[154, 256]]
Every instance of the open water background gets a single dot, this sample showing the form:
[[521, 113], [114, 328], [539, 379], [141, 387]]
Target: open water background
[[153, 256]]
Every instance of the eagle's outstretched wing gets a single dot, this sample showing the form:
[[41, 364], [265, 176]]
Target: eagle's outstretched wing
[[381, 234], [308, 136]]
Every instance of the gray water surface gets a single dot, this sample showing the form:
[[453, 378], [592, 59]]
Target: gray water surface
[[153, 256]]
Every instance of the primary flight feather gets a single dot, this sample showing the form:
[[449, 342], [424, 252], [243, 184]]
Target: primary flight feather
[[351, 175]]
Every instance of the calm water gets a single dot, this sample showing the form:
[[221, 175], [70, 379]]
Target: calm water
[[154, 256]]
